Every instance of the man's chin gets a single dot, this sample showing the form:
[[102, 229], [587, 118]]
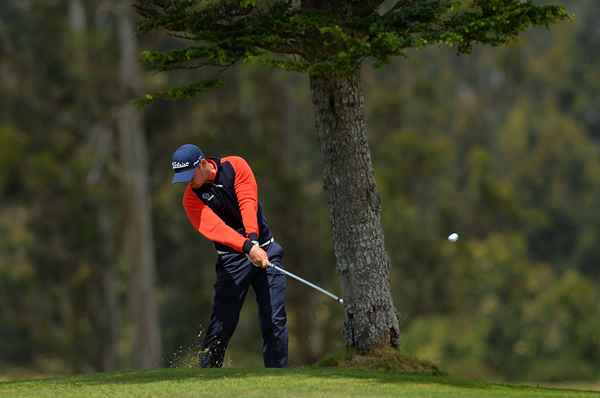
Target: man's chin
[[196, 184]]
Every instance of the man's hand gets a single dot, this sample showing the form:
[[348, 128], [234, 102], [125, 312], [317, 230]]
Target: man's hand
[[258, 257]]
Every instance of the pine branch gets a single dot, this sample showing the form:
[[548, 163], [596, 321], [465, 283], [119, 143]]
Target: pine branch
[[330, 36]]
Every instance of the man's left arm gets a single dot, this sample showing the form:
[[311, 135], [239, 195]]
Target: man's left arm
[[246, 191]]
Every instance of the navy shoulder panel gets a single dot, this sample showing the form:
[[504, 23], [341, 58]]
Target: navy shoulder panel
[[226, 175]]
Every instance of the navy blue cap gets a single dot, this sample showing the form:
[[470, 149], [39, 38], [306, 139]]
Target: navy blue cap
[[185, 160]]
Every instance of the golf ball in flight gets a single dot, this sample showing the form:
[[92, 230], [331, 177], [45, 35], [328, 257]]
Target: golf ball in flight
[[453, 237]]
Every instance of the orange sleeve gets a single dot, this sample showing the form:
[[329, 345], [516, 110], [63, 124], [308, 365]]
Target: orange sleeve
[[246, 191], [205, 221]]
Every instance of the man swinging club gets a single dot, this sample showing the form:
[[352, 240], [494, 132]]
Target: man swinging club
[[221, 202]]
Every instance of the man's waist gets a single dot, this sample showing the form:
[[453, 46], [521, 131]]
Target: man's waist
[[262, 242]]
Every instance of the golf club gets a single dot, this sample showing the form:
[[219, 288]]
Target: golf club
[[333, 296]]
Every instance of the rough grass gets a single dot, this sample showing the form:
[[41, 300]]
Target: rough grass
[[272, 383]]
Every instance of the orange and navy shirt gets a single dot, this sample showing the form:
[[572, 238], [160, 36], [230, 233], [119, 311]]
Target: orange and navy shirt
[[226, 210]]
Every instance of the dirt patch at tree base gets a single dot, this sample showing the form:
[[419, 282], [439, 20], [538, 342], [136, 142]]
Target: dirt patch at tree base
[[382, 359]]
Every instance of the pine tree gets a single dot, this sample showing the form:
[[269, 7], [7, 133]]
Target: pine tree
[[330, 40]]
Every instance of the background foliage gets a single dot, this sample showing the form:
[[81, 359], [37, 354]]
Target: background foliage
[[500, 146]]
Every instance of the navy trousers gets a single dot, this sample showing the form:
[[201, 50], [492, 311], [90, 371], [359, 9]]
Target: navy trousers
[[235, 274]]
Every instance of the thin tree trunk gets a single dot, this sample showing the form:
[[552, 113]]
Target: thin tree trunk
[[109, 312], [370, 317], [106, 311], [139, 244], [109, 347], [77, 20]]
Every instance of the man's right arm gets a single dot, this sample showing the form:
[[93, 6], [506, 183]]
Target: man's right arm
[[205, 221]]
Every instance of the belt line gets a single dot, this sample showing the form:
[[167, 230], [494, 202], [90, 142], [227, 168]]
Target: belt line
[[220, 252]]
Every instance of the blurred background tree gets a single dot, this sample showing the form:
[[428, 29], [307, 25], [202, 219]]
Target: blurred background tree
[[500, 146]]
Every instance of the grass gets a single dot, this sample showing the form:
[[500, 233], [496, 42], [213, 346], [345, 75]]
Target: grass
[[272, 383]]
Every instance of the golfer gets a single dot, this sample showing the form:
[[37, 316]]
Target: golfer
[[221, 202]]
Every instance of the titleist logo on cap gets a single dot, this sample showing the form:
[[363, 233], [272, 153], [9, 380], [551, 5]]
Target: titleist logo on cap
[[179, 165], [183, 165]]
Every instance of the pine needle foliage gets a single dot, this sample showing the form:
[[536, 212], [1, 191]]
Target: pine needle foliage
[[330, 37]]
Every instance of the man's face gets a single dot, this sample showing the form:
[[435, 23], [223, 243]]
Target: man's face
[[201, 174]]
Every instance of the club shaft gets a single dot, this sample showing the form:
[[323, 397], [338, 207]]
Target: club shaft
[[333, 296]]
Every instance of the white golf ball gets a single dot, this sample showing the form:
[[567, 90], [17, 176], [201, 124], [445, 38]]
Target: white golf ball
[[453, 237]]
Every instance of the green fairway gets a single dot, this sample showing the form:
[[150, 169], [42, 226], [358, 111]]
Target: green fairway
[[233, 383]]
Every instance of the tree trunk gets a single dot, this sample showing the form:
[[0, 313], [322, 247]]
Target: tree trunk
[[139, 244], [107, 313], [362, 261], [77, 21], [106, 309]]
